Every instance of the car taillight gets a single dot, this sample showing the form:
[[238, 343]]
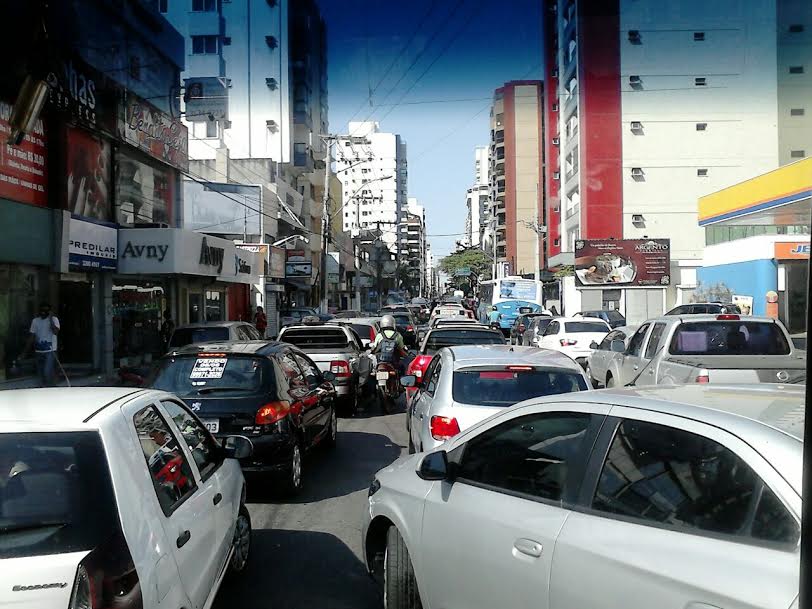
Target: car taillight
[[567, 342], [443, 428], [340, 367], [372, 334], [728, 317], [521, 328], [272, 412], [419, 365], [410, 328], [703, 377], [519, 368], [107, 578]]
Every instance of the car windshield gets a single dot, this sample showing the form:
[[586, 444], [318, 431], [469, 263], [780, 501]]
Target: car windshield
[[505, 387], [55, 493], [190, 336], [448, 338], [576, 327], [614, 316], [729, 338], [318, 337], [219, 375]]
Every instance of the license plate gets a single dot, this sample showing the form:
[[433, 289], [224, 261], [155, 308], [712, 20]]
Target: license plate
[[213, 425], [382, 376]]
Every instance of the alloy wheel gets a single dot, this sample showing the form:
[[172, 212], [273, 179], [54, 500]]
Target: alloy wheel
[[241, 543], [296, 467]]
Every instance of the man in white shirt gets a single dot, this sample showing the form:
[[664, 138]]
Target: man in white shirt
[[44, 329]]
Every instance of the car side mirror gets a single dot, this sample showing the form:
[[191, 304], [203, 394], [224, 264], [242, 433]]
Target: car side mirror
[[237, 447], [593, 345], [328, 376], [618, 346], [434, 466], [409, 380]]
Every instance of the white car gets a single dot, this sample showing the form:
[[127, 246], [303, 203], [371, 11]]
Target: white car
[[598, 363], [116, 498], [574, 336], [669, 497]]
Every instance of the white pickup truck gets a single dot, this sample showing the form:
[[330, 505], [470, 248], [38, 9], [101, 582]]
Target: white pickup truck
[[725, 348]]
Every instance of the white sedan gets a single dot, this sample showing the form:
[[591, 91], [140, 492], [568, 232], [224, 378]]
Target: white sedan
[[121, 498], [597, 364], [574, 336]]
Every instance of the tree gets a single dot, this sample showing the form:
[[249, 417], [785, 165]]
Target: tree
[[718, 292], [478, 261]]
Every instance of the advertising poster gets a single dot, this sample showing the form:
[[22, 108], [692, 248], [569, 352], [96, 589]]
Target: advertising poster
[[23, 176], [745, 304], [626, 262], [517, 289], [206, 97], [87, 160], [144, 126], [277, 264], [297, 265], [144, 193]]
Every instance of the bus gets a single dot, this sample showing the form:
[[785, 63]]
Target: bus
[[512, 296]]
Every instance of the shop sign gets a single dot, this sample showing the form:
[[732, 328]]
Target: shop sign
[[88, 169], [276, 267], [85, 95], [211, 255], [792, 250], [297, 265], [625, 262], [92, 246], [23, 174], [144, 126], [260, 252], [206, 97]]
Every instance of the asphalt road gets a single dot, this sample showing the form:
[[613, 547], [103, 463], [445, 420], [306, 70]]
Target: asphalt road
[[306, 552]]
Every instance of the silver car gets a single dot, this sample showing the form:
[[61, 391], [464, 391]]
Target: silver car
[[672, 497], [467, 383], [597, 364]]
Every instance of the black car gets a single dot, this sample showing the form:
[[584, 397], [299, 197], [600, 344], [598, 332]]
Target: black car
[[406, 326], [615, 319], [705, 308], [269, 392]]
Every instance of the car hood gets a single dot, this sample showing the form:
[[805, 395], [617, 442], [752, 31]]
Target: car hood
[[39, 582]]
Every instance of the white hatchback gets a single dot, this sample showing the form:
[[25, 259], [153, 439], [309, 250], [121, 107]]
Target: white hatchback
[[115, 498], [574, 336]]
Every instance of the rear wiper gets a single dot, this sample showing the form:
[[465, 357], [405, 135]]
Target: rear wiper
[[31, 526], [214, 389]]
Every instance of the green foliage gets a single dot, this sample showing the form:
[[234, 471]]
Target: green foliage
[[717, 292], [478, 261], [565, 271]]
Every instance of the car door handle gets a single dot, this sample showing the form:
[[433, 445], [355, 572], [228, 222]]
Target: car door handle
[[637, 367], [217, 499], [528, 547], [183, 539]]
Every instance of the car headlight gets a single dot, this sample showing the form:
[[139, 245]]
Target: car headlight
[[374, 487]]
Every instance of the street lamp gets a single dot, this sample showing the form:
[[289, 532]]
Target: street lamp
[[291, 238]]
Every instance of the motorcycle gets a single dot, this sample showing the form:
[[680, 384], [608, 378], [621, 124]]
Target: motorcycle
[[386, 375]]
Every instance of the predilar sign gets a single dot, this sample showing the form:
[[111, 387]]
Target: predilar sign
[[92, 246]]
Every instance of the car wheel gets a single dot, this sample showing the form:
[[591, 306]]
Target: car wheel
[[588, 371], [610, 381], [399, 583], [332, 432], [293, 484], [241, 542]]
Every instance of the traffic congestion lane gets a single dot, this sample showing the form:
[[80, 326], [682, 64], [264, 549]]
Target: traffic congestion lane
[[307, 550]]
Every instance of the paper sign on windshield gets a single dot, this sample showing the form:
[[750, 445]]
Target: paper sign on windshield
[[209, 368]]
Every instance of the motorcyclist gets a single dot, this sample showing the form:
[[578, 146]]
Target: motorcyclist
[[493, 317], [383, 343]]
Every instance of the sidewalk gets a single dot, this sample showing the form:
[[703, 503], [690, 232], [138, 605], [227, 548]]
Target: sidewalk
[[31, 382]]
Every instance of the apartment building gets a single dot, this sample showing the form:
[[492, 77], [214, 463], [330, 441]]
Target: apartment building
[[515, 174], [477, 203]]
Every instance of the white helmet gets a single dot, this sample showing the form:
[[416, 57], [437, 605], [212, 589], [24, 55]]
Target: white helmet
[[388, 323]]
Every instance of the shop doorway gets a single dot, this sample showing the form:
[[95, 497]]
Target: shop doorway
[[75, 313], [195, 308], [793, 311]]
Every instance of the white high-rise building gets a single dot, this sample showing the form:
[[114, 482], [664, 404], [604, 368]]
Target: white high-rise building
[[372, 168], [476, 202]]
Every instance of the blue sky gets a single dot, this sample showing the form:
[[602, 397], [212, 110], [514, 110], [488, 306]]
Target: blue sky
[[474, 45]]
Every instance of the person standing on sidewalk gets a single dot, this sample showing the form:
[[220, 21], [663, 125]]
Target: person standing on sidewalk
[[44, 329], [261, 321]]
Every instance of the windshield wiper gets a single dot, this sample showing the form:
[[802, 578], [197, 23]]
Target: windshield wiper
[[214, 389], [31, 526]]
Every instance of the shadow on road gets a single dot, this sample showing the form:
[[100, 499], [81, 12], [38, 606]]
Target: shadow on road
[[327, 474], [325, 574]]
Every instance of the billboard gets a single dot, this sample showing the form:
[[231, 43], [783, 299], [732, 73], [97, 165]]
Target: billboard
[[88, 170], [297, 265], [161, 136], [92, 246], [228, 209], [792, 250], [623, 262], [276, 268], [23, 174], [518, 289], [206, 97]]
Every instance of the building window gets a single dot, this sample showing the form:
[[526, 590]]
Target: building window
[[557, 242], [204, 45], [700, 81], [797, 154], [699, 36], [797, 112], [163, 6], [204, 6], [702, 173], [796, 69], [796, 28], [554, 108], [702, 126]]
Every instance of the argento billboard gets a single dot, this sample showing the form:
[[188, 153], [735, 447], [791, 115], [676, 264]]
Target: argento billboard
[[623, 262]]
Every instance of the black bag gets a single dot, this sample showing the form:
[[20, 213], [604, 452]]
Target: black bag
[[387, 352]]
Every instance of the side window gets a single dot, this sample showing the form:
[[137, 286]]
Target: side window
[[311, 372], [680, 310], [552, 329], [241, 333], [171, 475], [251, 333], [672, 477], [606, 343], [291, 369], [654, 340], [205, 452], [434, 378], [636, 343], [532, 455], [356, 340]]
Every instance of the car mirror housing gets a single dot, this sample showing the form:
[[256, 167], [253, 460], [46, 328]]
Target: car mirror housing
[[434, 466], [618, 346], [409, 380], [237, 447], [328, 376], [593, 345]]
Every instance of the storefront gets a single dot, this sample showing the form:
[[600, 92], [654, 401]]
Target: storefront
[[757, 236]]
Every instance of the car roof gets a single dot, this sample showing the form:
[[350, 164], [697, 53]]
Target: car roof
[[504, 355], [462, 326], [769, 417], [711, 317], [237, 347], [61, 409], [370, 321], [330, 323], [579, 319], [212, 324]]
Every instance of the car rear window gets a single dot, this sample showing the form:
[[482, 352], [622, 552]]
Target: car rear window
[[576, 327], [364, 331], [505, 387], [729, 338], [449, 338], [220, 376], [56, 495], [190, 336], [316, 338], [403, 320]]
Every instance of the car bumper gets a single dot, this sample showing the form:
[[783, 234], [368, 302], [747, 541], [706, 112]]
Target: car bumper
[[271, 452]]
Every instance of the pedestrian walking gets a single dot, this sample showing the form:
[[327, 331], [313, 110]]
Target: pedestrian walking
[[167, 329], [42, 339], [261, 321]]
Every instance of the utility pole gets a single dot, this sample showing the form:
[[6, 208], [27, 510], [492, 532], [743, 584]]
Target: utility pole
[[325, 224]]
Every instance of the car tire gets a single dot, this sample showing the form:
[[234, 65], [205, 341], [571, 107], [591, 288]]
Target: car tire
[[399, 583], [294, 475], [610, 381], [332, 431], [241, 543], [411, 445]]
